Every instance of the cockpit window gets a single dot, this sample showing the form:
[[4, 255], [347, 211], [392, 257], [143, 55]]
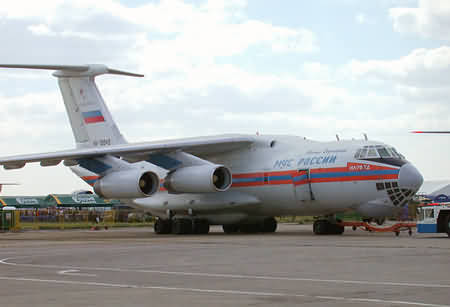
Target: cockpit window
[[363, 152], [372, 153], [378, 151], [383, 152], [397, 153]]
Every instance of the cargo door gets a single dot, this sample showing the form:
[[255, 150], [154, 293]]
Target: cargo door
[[302, 185]]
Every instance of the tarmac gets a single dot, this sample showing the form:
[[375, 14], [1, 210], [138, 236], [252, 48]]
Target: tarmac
[[292, 267]]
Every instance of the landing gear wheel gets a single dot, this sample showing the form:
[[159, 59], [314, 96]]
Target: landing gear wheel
[[320, 227], [181, 226], [339, 229], [325, 227], [269, 225], [380, 221], [233, 228], [162, 226], [250, 228], [200, 226]]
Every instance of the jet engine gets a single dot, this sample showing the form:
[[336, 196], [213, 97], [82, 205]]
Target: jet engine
[[199, 179], [127, 184]]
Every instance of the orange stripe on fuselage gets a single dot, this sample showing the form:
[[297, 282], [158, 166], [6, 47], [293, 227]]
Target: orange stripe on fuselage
[[263, 178]]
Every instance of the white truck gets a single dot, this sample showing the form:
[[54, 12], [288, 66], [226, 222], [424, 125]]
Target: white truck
[[434, 218]]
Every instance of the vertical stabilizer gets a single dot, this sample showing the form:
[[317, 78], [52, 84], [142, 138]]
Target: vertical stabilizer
[[91, 122]]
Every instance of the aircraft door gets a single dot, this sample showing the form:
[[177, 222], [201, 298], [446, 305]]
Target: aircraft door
[[302, 185]]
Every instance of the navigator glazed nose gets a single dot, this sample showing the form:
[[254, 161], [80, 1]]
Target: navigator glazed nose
[[409, 177]]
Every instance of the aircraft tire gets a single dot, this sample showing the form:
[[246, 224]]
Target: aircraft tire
[[380, 221], [162, 226], [339, 229], [200, 226], [269, 225], [181, 226], [320, 227], [324, 227], [250, 228], [233, 228]]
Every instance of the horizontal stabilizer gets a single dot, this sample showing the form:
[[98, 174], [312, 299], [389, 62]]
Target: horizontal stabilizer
[[88, 69]]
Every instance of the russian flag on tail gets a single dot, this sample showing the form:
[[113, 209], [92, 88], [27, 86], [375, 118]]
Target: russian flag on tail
[[93, 117]]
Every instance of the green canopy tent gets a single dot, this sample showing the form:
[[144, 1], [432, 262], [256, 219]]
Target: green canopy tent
[[24, 202], [79, 200]]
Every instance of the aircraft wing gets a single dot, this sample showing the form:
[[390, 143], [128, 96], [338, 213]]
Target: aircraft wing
[[201, 146]]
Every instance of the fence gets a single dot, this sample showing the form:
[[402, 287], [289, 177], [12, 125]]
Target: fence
[[70, 218]]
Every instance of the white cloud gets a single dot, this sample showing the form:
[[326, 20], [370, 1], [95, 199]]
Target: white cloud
[[430, 19], [216, 27], [418, 100], [361, 18], [316, 70], [422, 67]]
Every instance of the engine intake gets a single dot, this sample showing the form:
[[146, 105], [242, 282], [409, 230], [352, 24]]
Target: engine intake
[[127, 184], [199, 179]]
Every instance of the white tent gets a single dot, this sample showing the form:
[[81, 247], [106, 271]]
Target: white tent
[[435, 187]]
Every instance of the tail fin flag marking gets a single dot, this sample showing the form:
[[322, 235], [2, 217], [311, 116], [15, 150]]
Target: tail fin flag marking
[[93, 117]]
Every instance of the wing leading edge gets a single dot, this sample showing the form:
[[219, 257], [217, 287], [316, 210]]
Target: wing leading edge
[[137, 152]]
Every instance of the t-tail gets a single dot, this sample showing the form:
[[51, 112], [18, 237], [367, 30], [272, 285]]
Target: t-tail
[[93, 126], [91, 122]]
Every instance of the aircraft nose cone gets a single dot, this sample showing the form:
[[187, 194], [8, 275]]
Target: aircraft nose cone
[[409, 177]]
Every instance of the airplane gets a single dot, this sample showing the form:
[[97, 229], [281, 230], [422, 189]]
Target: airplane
[[241, 182]]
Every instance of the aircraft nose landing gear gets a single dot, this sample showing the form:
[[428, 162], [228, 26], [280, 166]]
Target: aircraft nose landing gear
[[326, 227]]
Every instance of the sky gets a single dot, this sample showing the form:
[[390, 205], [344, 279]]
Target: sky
[[308, 68]]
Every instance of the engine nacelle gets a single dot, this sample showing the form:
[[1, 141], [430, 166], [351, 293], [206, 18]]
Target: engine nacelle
[[199, 179], [127, 184]]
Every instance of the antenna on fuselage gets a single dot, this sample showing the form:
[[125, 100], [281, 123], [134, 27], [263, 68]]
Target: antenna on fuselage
[[365, 137], [337, 137]]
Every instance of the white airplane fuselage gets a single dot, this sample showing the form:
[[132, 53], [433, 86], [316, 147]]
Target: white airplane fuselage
[[289, 175]]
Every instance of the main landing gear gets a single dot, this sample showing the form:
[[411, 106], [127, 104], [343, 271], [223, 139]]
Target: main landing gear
[[181, 226], [265, 226], [327, 227], [201, 226]]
